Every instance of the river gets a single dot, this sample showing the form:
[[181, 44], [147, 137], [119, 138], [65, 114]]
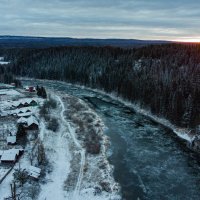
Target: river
[[150, 161]]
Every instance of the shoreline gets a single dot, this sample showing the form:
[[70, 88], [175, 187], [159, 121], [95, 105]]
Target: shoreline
[[92, 162], [182, 133], [87, 174]]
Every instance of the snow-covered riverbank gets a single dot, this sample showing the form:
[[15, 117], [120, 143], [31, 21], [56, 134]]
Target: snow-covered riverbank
[[75, 174], [182, 133], [95, 175]]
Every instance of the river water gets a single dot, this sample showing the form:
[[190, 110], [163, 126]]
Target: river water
[[149, 161]]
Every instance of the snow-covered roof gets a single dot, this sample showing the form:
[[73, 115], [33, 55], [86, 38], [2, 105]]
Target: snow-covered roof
[[11, 139], [10, 155], [34, 171], [24, 114], [3, 114], [23, 101], [22, 120], [23, 110], [29, 121], [1, 152], [32, 120]]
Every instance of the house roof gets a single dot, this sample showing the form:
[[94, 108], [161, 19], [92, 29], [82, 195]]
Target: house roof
[[11, 139], [28, 121], [24, 114], [23, 110], [1, 152], [23, 101], [34, 171], [32, 120], [10, 155], [22, 120]]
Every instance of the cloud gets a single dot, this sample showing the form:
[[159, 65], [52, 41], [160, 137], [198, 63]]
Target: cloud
[[142, 19]]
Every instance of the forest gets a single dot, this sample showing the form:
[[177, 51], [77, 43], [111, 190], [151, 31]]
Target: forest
[[163, 78]]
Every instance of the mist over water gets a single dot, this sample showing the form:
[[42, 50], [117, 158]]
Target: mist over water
[[149, 161]]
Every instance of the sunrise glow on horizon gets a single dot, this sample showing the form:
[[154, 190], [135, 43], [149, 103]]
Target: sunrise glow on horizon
[[123, 19], [188, 40]]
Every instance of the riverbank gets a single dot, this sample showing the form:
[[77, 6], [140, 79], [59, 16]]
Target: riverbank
[[183, 133], [76, 172], [150, 162], [95, 175]]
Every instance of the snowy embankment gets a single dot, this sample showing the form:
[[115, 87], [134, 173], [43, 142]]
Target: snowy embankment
[[69, 178], [182, 133], [94, 174]]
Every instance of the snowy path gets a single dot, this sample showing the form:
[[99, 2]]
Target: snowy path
[[59, 157], [81, 150]]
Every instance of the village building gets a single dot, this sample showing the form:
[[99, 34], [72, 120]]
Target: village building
[[24, 103], [11, 155], [34, 172], [11, 140], [23, 110], [1, 153], [30, 89], [29, 123]]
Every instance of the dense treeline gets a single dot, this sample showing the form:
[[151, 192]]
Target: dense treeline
[[164, 78], [6, 76]]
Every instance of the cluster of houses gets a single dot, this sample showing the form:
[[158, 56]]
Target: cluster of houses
[[24, 111], [16, 113]]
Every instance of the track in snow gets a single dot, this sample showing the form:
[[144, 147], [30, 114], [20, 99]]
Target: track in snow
[[81, 150]]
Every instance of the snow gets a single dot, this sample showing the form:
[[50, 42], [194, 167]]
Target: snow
[[11, 139], [25, 114], [29, 121], [89, 179], [32, 120], [9, 92], [59, 156], [180, 132], [22, 120], [5, 186], [58, 153], [24, 101], [81, 150], [4, 63], [1, 152], [24, 110], [34, 171], [10, 155]]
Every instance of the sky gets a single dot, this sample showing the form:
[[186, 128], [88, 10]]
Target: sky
[[130, 19]]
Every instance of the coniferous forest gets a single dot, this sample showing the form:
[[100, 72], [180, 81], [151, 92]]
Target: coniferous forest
[[163, 78]]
